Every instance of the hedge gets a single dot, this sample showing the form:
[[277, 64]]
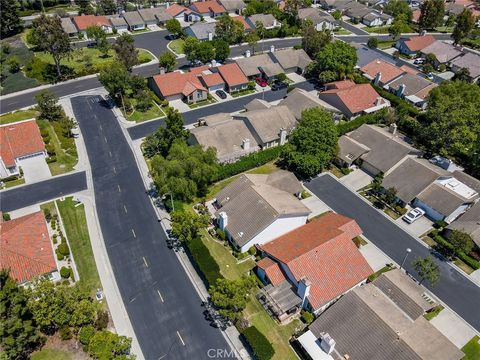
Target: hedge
[[346, 127], [440, 240], [397, 101], [249, 162], [205, 262], [262, 348]]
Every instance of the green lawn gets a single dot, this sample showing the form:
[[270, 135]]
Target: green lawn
[[177, 46], [465, 267], [51, 354], [65, 149], [444, 29], [376, 29], [341, 31], [152, 113], [18, 116], [436, 310], [386, 44], [75, 224], [380, 272], [242, 92], [472, 349], [202, 103], [12, 183]]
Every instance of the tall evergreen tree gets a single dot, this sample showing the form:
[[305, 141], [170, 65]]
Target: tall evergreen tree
[[10, 23], [431, 14], [126, 53], [464, 25]]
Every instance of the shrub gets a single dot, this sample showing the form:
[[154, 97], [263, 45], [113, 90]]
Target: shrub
[[261, 347], [475, 264], [10, 178], [86, 334], [47, 214], [397, 102], [65, 272], [66, 333], [54, 238], [204, 261], [60, 257], [102, 320], [63, 249], [307, 317], [439, 224], [400, 210], [51, 159], [221, 234], [372, 42], [6, 216], [252, 250], [442, 67], [346, 127]]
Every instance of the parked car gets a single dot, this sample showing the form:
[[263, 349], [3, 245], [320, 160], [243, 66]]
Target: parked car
[[413, 215], [261, 81], [221, 94], [429, 76], [419, 61], [279, 85]]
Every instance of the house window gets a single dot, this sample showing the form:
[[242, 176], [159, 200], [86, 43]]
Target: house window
[[199, 95]]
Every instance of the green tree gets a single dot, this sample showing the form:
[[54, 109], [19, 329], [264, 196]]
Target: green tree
[[399, 7], [222, 49], [167, 60], [336, 61], [337, 14], [231, 296], [9, 18], [399, 26], [313, 41], [85, 334], [313, 143], [174, 27], [19, 335], [13, 64], [85, 313], [205, 52], [461, 242], [100, 37], [47, 103], [291, 9], [463, 74], [372, 42], [84, 7], [464, 26], [106, 7], [190, 48], [48, 35], [427, 269], [116, 80], [229, 29], [105, 345], [252, 39], [431, 14], [186, 226], [126, 52], [161, 141]]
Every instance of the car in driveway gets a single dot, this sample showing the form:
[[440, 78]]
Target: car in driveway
[[221, 94], [279, 85], [413, 215], [419, 61], [261, 81]]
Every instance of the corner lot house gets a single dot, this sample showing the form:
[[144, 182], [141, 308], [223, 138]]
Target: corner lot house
[[255, 209], [84, 21], [319, 262], [234, 78], [177, 85], [353, 99], [413, 45], [292, 60], [208, 8], [134, 20], [380, 320], [19, 141], [26, 249]]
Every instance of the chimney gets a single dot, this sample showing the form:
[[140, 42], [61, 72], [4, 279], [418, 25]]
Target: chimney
[[401, 90], [327, 343], [377, 79], [247, 53], [303, 289], [222, 220], [272, 48], [162, 70], [393, 128], [378, 101], [283, 136], [246, 144], [214, 63], [168, 4], [210, 36]]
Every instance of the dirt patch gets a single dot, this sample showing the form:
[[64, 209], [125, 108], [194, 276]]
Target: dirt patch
[[72, 346]]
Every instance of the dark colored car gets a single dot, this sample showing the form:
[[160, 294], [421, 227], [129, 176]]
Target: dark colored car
[[221, 94], [279, 86]]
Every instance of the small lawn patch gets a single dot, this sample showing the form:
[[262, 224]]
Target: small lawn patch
[[75, 223], [153, 113], [215, 188], [380, 272], [429, 241], [265, 169], [434, 312], [467, 269], [336, 171], [177, 46], [18, 116], [242, 92], [202, 103], [341, 31], [385, 44], [52, 354], [472, 349], [15, 182], [391, 213]]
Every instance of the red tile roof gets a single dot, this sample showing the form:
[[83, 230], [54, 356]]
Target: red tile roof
[[388, 71], [242, 20], [203, 7], [175, 83], [85, 21], [199, 69], [232, 74], [323, 252], [417, 43], [25, 247], [19, 139], [212, 79], [272, 269], [356, 97], [176, 9]]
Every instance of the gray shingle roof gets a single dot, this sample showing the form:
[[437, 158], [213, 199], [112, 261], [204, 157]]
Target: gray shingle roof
[[468, 180], [350, 149], [250, 65], [469, 61], [68, 26], [469, 222], [201, 29], [290, 58], [232, 5], [268, 20], [315, 15], [257, 104], [117, 21], [272, 69], [298, 100], [441, 199], [443, 52], [413, 84], [133, 18]]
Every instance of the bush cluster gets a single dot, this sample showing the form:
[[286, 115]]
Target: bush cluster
[[205, 262], [445, 245], [346, 127], [261, 347]]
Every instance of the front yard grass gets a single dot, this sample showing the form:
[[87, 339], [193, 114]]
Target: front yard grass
[[75, 223], [382, 45], [341, 31], [472, 349], [242, 92], [380, 272], [52, 354], [18, 116], [465, 267], [434, 312], [202, 103], [153, 113], [177, 46], [12, 183]]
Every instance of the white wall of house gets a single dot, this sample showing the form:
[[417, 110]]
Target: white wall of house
[[435, 215], [6, 172], [324, 25], [375, 22], [216, 87], [138, 27], [280, 226]]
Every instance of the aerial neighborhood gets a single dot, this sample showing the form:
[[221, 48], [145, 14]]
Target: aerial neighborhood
[[240, 179]]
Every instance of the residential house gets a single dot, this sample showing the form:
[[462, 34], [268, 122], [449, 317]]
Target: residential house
[[412, 88], [241, 19], [271, 71], [19, 141], [178, 86], [180, 12], [292, 60], [201, 30], [255, 209], [251, 65], [377, 18], [235, 79], [118, 23], [208, 8], [134, 20], [375, 149], [413, 45], [85, 21], [154, 16], [380, 320], [69, 27], [268, 21], [26, 249], [353, 99], [469, 61], [257, 104], [468, 223], [320, 20], [334, 4], [444, 53], [213, 81], [233, 6], [381, 72], [319, 261], [299, 100]]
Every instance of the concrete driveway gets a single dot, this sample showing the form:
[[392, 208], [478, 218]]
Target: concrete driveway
[[417, 228], [453, 327], [179, 105], [35, 169], [356, 180]]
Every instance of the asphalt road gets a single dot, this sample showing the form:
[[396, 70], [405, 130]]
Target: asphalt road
[[56, 187], [161, 302], [459, 293], [191, 117], [353, 28]]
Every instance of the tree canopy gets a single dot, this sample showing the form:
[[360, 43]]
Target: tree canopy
[[398, 7], [47, 103], [464, 25], [336, 61], [106, 345], [231, 296], [174, 27], [313, 41], [313, 143], [126, 52], [167, 60], [427, 269], [9, 18], [186, 226], [461, 241], [229, 29], [431, 14]]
